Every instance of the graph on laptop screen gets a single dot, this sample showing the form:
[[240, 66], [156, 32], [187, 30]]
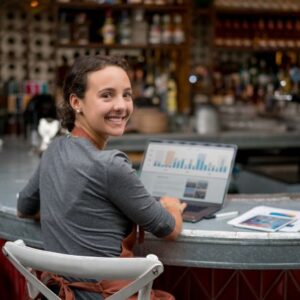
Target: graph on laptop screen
[[195, 172]]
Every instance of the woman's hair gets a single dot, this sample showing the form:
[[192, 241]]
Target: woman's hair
[[76, 82]]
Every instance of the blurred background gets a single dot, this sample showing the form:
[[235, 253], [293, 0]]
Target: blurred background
[[222, 71]]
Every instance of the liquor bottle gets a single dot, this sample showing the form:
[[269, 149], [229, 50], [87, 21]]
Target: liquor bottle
[[271, 33], [108, 30], [262, 34], [64, 34], [289, 29], [149, 90], [139, 28], [81, 29], [246, 33], [155, 30], [166, 36], [124, 29], [138, 83], [178, 35], [281, 33], [172, 90]]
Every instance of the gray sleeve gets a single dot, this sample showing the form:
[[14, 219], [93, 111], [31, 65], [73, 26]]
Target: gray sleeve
[[128, 193], [29, 197]]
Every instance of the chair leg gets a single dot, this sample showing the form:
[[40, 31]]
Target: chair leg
[[145, 292], [31, 289]]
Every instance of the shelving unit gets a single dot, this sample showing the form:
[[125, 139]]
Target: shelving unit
[[258, 39], [36, 53], [257, 25], [26, 59], [155, 56], [234, 29]]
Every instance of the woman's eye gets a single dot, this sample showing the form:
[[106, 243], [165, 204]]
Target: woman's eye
[[128, 95], [105, 95]]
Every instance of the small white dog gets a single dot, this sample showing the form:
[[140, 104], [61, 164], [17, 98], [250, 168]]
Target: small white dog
[[47, 129]]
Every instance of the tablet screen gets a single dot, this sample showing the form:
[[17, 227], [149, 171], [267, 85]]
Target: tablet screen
[[266, 222]]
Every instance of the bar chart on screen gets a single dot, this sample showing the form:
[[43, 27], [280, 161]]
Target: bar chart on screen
[[179, 159], [200, 163]]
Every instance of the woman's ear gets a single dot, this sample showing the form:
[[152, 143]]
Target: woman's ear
[[75, 103]]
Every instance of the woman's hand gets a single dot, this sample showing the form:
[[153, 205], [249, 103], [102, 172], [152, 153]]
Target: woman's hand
[[175, 208], [172, 203]]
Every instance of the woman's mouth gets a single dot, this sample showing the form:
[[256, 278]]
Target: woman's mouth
[[116, 119]]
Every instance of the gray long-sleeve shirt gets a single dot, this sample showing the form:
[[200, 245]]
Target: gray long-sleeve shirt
[[89, 198]]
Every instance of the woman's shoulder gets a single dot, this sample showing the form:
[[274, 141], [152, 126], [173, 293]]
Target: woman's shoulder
[[115, 156], [84, 148]]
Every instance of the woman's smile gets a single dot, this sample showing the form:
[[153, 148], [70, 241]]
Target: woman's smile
[[116, 119]]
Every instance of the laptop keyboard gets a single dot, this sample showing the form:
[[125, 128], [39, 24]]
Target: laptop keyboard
[[194, 208]]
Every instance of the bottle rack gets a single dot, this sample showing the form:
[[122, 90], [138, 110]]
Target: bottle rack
[[149, 52], [227, 28], [257, 24], [254, 47]]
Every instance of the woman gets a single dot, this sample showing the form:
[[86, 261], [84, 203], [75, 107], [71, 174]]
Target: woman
[[90, 199]]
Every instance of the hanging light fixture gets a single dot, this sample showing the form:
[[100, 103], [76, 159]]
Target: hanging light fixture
[[34, 3], [32, 6], [36, 6]]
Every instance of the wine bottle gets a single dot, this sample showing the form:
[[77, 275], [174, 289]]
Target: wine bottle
[[108, 30], [155, 30], [124, 28], [64, 34], [178, 35], [139, 28]]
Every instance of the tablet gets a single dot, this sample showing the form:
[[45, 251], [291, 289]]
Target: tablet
[[265, 222]]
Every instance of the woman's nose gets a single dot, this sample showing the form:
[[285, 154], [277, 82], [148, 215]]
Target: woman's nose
[[120, 103]]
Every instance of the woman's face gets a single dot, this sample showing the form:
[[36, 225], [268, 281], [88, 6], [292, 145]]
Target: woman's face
[[107, 104]]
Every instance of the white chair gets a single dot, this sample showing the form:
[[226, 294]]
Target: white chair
[[142, 270]]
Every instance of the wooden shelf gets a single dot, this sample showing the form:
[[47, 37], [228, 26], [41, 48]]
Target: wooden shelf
[[255, 48], [253, 11], [94, 5], [119, 46]]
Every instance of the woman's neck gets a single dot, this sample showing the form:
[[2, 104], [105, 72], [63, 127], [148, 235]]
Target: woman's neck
[[81, 132]]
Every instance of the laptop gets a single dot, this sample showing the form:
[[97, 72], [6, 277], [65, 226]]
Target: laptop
[[196, 173]]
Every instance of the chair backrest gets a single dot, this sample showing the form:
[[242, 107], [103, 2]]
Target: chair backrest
[[141, 270]]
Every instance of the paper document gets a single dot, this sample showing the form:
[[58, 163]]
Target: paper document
[[266, 218]]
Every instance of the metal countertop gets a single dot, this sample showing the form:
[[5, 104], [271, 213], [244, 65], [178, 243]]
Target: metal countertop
[[208, 243]]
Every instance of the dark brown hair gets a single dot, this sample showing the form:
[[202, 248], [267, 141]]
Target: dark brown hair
[[76, 82]]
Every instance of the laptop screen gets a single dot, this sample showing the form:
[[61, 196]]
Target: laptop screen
[[195, 172]]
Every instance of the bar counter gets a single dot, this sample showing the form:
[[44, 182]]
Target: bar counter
[[210, 260], [210, 257], [208, 243]]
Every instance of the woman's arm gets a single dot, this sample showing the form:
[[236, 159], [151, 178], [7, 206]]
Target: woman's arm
[[128, 193], [175, 208], [28, 204]]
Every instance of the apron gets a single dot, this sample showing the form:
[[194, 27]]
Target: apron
[[104, 287]]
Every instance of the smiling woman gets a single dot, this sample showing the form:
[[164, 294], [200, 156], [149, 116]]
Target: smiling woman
[[98, 97], [90, 200]]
